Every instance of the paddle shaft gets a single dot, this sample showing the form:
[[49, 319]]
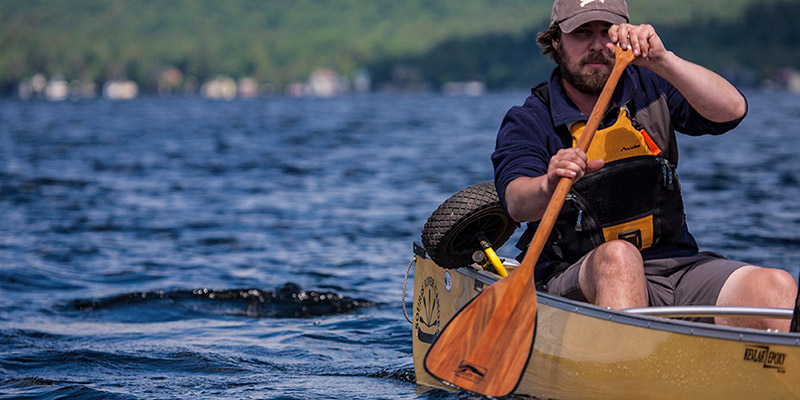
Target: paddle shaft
[[623, 58]]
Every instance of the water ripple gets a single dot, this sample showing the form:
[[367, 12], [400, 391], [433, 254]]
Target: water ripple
[[118, 215], [288, 301]]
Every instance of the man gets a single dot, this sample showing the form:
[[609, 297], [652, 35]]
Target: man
[[621, 240]]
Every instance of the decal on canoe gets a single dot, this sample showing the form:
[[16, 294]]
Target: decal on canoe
[[426, 317], [763, 355]]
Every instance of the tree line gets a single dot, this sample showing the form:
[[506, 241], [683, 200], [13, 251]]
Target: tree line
[[748, 49], [401, 44]]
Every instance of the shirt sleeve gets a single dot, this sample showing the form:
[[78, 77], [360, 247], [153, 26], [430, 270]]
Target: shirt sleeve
[[525, 143]]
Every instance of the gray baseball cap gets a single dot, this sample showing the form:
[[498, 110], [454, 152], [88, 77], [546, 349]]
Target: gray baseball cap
[[570, 14]]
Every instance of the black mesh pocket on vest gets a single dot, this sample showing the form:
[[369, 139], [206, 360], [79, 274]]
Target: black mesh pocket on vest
[[641, 189]]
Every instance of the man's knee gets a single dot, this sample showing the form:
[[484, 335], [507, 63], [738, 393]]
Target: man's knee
[[616, 261], [613, 276], [617, 256], [776, 287], [758, 286]]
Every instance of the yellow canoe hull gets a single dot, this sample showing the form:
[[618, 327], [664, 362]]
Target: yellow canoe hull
[[585, 352]]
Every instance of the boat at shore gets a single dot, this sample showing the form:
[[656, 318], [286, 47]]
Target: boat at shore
[[581, 351]]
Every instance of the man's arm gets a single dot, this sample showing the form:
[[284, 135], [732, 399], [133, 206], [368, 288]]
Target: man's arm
[[527, 198], [707, 92]]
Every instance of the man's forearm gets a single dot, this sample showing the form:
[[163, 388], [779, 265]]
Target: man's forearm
[[527, 198], [709, 93]]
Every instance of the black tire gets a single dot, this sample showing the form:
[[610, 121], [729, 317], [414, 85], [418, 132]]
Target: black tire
[[449, 235]]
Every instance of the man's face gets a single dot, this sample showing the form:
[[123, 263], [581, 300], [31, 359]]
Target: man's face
[[585, 60]]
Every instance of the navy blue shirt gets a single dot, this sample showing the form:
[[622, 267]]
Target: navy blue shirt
[[529, 137]]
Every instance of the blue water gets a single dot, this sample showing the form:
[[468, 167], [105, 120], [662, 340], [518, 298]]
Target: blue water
[[176, 247]]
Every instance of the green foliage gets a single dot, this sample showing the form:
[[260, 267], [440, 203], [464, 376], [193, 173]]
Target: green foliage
[[273, 41], [283, 41]]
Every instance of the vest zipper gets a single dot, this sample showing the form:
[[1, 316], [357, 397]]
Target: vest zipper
[[580, 222], [667, 174]]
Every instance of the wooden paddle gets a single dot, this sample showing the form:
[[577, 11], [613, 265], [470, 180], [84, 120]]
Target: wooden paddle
[[486, 346]]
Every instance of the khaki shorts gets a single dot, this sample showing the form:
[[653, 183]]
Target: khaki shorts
[[681, 281]]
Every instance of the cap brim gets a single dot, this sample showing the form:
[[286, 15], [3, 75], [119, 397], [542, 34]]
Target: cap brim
[[570, 24]]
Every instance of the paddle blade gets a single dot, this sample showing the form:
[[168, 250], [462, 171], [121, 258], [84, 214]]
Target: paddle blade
[[486, 346]]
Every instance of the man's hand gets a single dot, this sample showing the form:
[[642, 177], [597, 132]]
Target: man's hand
[[569, 163], [527, 198], [642, 39]]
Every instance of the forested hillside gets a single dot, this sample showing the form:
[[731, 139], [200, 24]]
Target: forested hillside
[[758, 44], [279, 42]]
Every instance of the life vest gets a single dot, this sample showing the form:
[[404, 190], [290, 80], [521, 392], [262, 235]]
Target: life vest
[[635, 196]]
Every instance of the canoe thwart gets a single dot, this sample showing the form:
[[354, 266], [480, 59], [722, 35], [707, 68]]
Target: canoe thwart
[[712, 311]]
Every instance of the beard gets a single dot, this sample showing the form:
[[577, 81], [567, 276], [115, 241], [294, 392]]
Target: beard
[[591, 82]]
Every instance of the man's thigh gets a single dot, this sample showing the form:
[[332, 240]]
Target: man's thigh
[[695, 280]]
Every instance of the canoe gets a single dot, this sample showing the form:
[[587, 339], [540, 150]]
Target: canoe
[[586, 352]]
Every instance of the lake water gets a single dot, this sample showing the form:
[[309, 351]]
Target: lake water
[[181, 247]]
